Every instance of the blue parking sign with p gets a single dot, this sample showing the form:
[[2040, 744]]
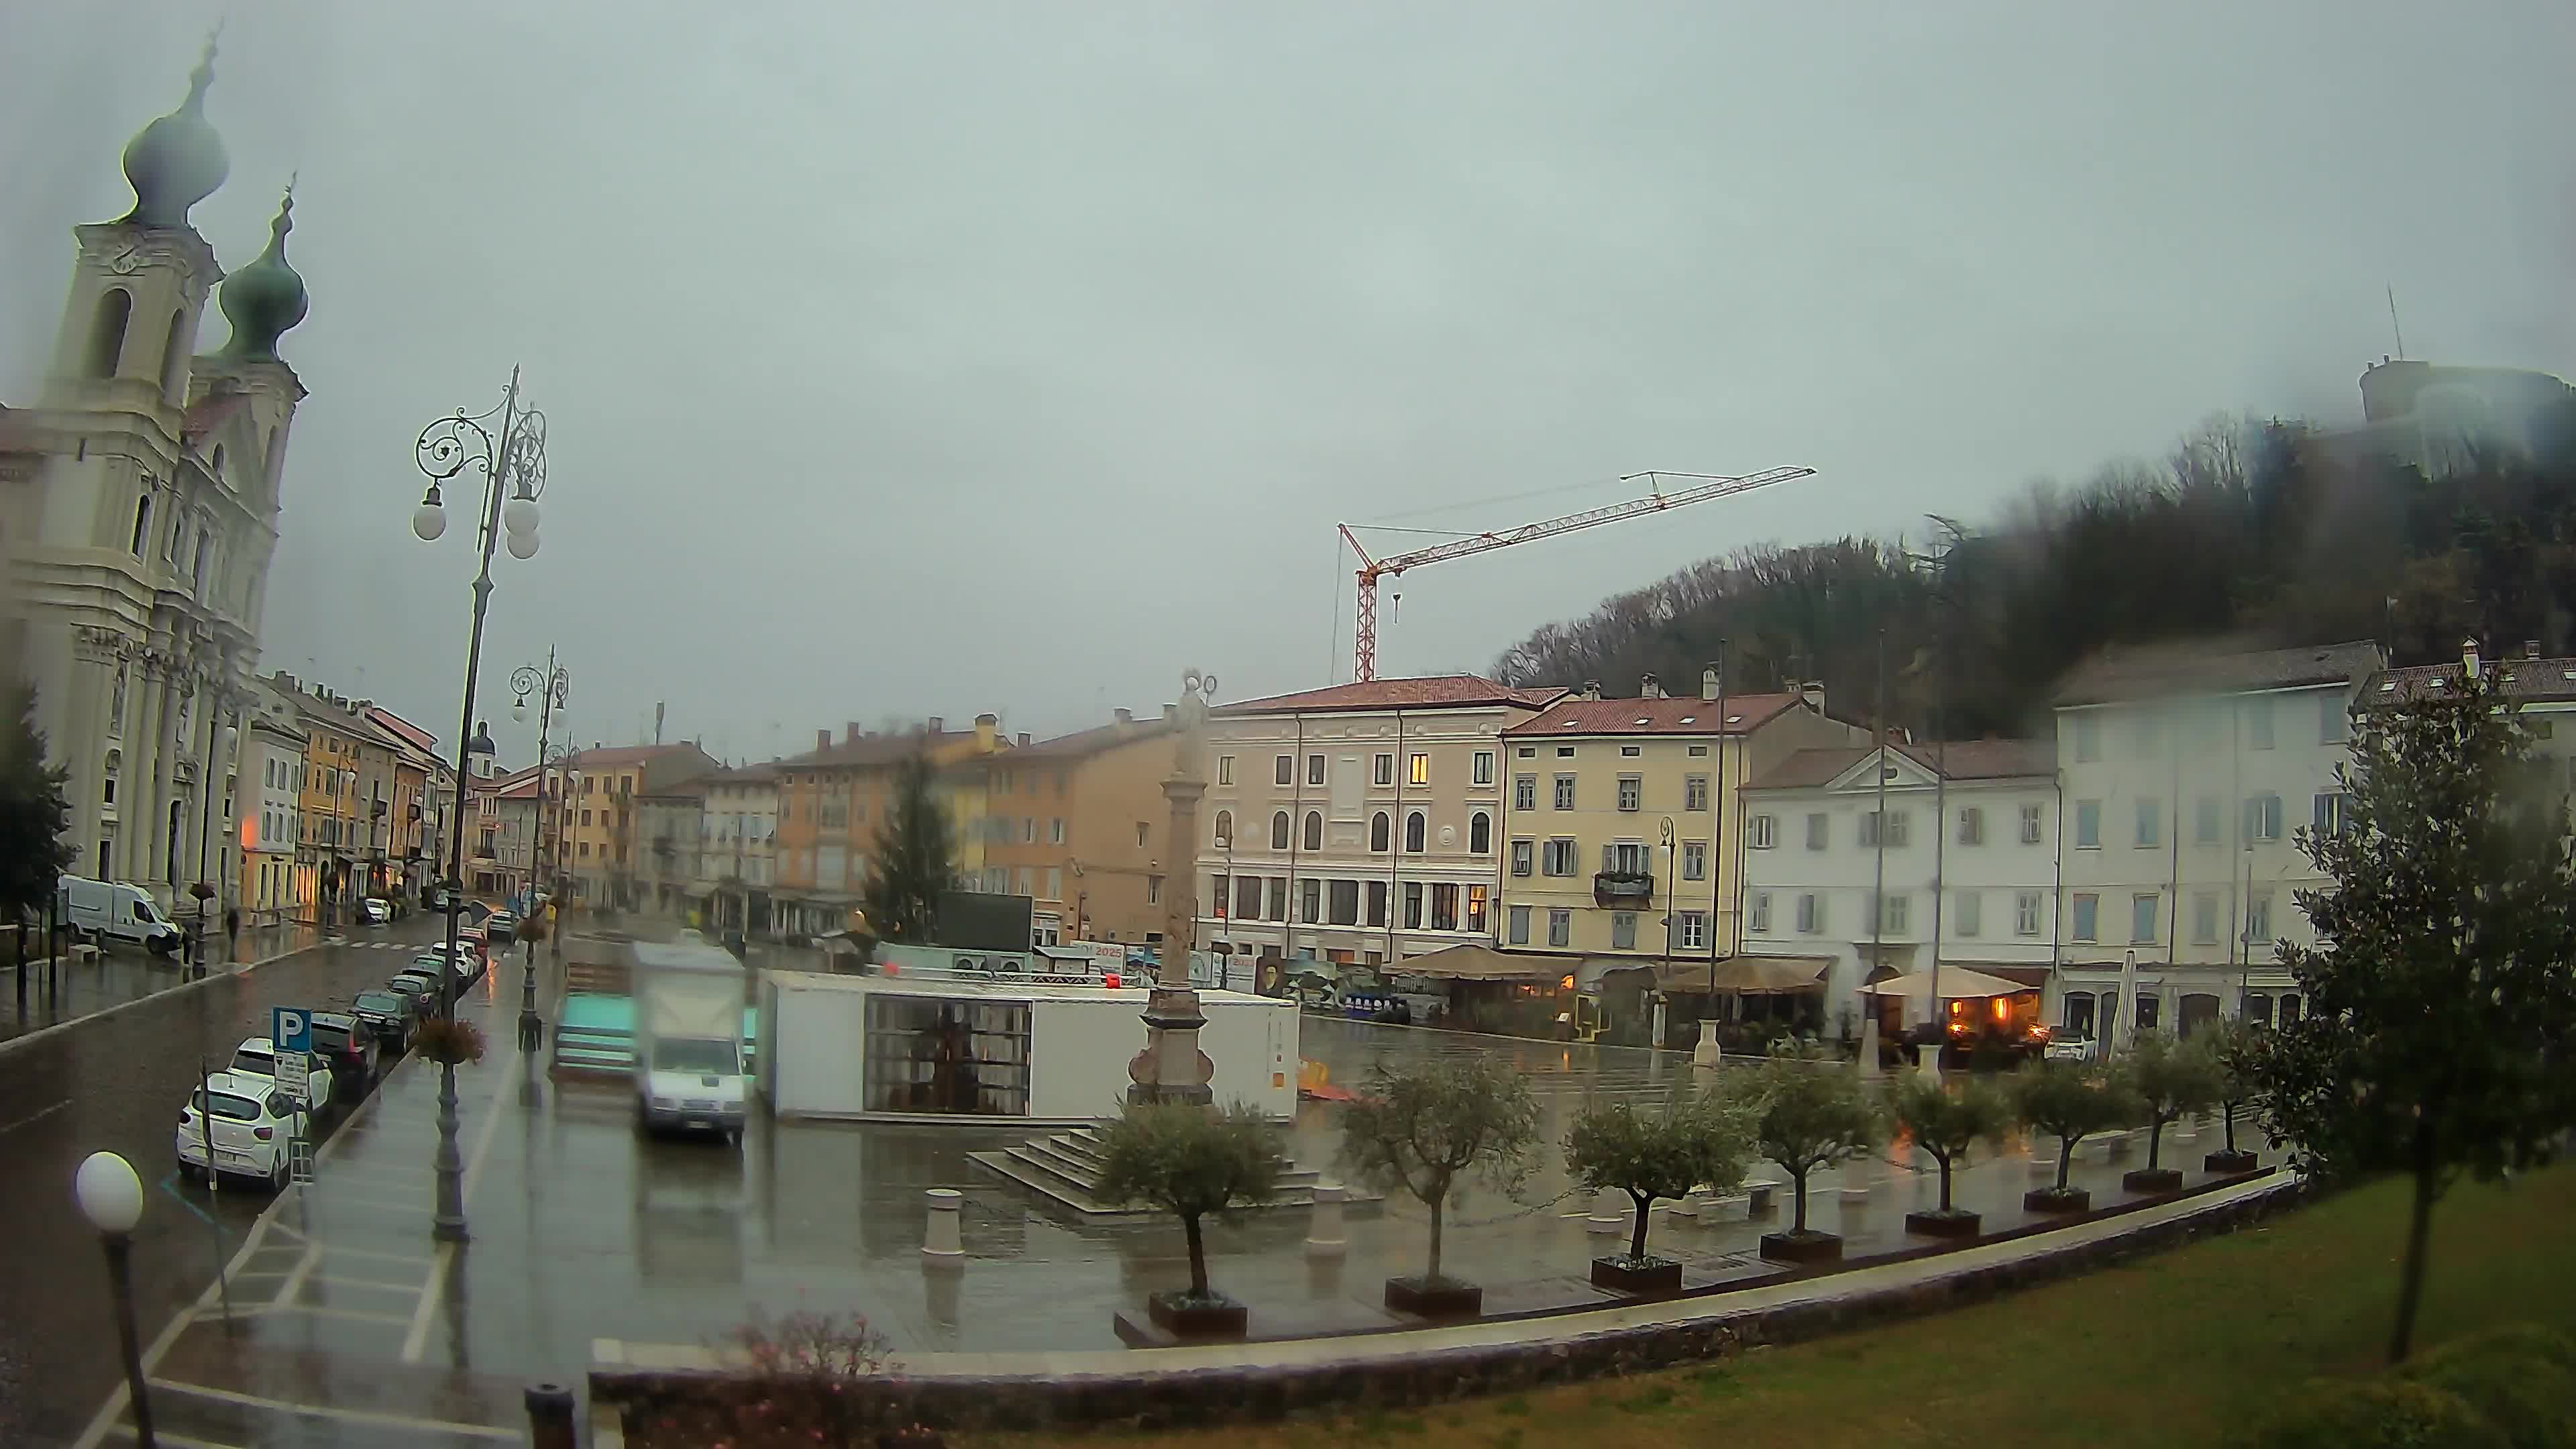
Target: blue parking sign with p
[[291, 1028]]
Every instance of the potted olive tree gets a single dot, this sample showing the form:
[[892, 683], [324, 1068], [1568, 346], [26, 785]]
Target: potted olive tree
[[1696, 1140], [1948, 1122], [2239, 1046], [2074, 1100], [1424, 1128], [1813, 1114], [1190, 1162], [2172, 1079]]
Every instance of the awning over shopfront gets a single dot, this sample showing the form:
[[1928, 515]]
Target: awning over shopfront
[[1482, 963], [1733, 974], [1957, 983]]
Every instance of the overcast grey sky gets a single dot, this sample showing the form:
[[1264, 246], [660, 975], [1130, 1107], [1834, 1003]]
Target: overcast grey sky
[[930, 358]]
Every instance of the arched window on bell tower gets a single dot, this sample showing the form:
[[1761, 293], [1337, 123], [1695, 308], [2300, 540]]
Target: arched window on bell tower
[[107, 331], [174, 360]]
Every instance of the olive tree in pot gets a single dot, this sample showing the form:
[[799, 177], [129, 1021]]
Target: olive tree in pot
[[1813, 1113], [2239, 1046], [1190, 1162], [1424, 1128], [1948, 1123], [2172, 1079], [1696, 1140], [2073, 1100]]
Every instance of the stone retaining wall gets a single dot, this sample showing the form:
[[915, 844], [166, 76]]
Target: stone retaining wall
[[1407, 1377]]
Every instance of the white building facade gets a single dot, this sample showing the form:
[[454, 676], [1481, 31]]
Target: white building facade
[[2185, 776], [1891, 859], [268, 798], [139, 503], [1358, 824]]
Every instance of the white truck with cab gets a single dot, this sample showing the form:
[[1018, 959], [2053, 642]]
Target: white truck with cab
[[688, 1038]]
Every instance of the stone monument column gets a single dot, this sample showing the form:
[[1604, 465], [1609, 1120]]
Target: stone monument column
[[1171, 1068]]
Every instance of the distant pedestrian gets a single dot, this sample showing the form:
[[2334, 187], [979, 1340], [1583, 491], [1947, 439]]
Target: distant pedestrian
[[232, 927]]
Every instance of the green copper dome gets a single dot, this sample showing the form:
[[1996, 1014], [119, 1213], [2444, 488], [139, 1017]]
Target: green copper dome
[[266, 298], [178, 160]]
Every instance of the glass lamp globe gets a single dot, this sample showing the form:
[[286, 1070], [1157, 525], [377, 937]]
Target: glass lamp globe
[[522, 545], [110, 1195], [428, 521], [519, 515]]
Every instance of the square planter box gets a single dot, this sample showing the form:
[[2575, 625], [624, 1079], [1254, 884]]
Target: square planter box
[[1444, 1298], [2152, 1179], [1957, 1223], [1198, 1318], [1646, 1277], [2231, 1162], [2051, 1200], [1807, 1247]]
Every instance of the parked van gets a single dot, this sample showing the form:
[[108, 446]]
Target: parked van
[[113, 910]]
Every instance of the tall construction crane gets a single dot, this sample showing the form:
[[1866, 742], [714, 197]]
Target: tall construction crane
[[1712, 485]]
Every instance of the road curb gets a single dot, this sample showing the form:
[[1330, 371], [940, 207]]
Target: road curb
[[210, 978]]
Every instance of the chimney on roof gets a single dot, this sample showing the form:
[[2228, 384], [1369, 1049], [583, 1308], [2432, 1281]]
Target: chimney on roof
[[850, 732], [936, 724], [2530, 648], [1813, 692], [988, 729], [1708, 683], [1649, 687], [822, 739], [1126, 717], [2469, 658], [1021, 739], [1171, 711], [1591, 689]]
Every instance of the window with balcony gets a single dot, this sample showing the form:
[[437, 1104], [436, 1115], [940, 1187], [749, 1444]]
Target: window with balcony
[[1627, 857]]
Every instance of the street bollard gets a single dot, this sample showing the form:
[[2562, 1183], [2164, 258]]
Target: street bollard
[[943, 1245], [550, 1422], [1324, 1237], [1611, 1210]]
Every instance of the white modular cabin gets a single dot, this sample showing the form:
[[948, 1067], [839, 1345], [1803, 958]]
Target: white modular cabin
[[921, 1046]]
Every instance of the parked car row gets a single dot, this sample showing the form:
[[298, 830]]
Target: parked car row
[[244, 1121]]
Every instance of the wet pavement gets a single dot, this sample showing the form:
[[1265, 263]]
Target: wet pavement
[[32, 999], [116, 1082], [350, 1326]]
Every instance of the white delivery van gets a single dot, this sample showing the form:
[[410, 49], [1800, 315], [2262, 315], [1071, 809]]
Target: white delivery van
[[688, 1038], [113, 910]]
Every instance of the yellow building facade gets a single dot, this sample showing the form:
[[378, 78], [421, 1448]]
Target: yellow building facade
[[1623, 821]]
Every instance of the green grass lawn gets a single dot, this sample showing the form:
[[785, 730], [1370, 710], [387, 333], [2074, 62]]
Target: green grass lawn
[[2168, 1350]]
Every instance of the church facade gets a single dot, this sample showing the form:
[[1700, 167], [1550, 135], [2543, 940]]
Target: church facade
[[139, 500]]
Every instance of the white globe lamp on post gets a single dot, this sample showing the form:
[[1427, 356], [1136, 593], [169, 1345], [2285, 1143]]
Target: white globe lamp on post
[[111, 1197]]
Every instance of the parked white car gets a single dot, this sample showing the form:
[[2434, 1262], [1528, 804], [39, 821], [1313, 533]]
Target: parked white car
[[257, 1057], [253, 1124]]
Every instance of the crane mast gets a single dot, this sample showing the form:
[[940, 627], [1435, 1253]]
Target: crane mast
[[1364, 631]]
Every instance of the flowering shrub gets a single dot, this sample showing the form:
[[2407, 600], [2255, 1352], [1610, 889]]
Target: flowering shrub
[[448, 1041]]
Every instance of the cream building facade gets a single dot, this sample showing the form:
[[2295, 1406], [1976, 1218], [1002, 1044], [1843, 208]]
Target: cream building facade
[[1361, 823]]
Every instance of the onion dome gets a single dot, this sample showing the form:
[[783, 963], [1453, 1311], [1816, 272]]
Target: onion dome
[[178, 160], [266, 298]]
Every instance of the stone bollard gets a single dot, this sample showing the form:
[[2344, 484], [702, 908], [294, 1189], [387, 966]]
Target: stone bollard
[[1857, 1177], [550, 1417], [2181, 1131], [942, 1245], [1707, 1053], [1611, 1210], [1324, 1238]]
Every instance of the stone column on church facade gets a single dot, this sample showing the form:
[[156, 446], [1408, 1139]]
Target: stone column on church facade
[[89, 685]]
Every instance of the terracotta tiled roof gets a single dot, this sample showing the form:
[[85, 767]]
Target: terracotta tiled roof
[[1668, 716], [880, 749], [611, 756], [2158, 670], [1960, 759], [1437, 691], [1083, 743], [2536, 680]]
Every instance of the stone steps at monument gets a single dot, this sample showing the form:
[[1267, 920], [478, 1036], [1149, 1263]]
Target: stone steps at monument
[[1065, 1169]]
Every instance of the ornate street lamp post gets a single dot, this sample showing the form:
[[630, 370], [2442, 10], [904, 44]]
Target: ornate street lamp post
[[552, 686], [111, 1197], [514, 477], [1171, 1068]]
